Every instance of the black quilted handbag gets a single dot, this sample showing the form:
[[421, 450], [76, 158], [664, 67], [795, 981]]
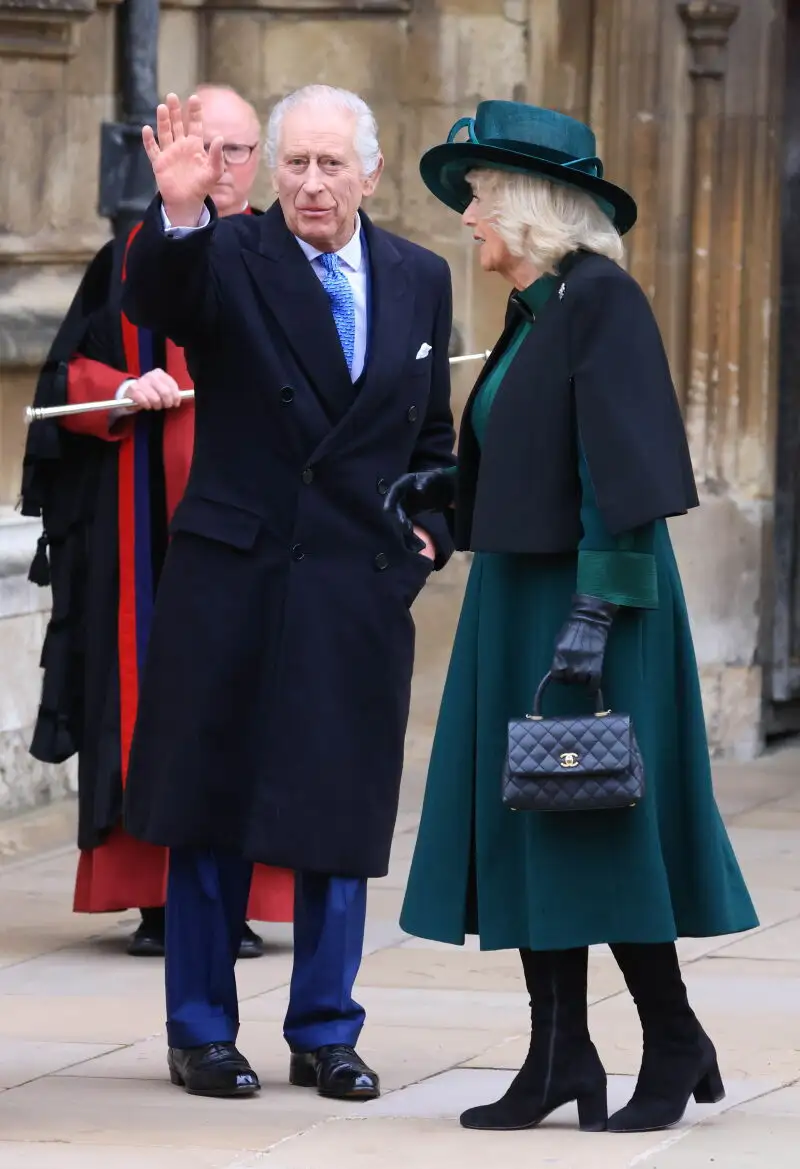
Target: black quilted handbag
[[573, 763]]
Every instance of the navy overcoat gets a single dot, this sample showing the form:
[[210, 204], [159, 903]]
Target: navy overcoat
[[275, 694]]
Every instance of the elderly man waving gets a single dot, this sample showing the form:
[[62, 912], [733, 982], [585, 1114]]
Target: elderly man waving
[[275, 697]]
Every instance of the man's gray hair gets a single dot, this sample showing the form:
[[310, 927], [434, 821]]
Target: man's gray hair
[[366, 132]]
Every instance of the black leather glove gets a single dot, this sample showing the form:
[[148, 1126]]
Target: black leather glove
[[581, 644], [420, 491]]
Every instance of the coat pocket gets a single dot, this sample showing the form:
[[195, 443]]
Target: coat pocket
[[224, 522]]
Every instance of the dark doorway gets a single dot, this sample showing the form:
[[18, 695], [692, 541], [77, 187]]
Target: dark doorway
[[783, 678]]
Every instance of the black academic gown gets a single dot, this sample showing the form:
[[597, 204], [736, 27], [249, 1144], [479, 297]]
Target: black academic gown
[[70, 480]]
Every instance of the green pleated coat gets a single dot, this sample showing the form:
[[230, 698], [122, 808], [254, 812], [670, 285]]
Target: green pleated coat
[[661, 870]]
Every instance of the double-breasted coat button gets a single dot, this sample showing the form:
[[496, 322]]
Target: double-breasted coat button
[[297, 552], [382, 486], [287, 396], [412, 414], [381, 561], [308, 475]]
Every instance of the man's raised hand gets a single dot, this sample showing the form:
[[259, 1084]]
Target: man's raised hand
[[184, 171]]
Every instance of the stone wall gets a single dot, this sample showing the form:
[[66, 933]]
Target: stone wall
[[24, 782]]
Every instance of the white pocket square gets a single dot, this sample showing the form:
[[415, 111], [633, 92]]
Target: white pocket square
[[423, 350]]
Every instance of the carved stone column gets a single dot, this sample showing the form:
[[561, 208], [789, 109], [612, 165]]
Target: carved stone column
[[728, 361], [708, 26], [560, 35]]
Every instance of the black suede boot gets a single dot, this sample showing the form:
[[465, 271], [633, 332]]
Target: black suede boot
[[678, 1058], [562, 1063]]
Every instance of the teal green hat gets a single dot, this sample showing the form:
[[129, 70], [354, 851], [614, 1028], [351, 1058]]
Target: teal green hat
[[508, 135]]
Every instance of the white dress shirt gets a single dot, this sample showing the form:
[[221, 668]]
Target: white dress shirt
[[353, 263]]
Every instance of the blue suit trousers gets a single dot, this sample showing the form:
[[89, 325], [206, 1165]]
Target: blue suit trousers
[[207, 896]]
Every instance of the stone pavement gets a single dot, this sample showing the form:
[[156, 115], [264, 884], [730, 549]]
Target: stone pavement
[[82, 1072]]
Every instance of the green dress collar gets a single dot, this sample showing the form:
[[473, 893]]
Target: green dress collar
[[536, 295]]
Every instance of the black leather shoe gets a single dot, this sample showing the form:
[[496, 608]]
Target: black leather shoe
[[216, 1069], [335, 1071], [148, 940], [252, 946]]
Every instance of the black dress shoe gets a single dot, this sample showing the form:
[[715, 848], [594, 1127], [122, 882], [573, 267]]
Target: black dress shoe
[[148, 940], [251, 946], [216, 1069], [335, 1071]]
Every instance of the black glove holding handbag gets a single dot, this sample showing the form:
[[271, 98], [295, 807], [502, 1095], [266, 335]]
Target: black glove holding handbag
[[581, 643], [421, 491], [575, 763]]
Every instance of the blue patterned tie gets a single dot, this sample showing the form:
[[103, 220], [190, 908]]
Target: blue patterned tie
[[343, 305]]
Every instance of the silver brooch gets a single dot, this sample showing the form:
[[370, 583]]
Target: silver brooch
[[561, 291]]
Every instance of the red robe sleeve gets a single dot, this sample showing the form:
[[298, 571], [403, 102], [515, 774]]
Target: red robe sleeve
[[93, 381]]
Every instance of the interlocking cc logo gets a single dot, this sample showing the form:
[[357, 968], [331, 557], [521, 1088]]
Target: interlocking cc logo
[[568, 759]]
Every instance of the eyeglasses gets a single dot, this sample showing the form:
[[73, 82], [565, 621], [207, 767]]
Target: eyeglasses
[[235, 153]]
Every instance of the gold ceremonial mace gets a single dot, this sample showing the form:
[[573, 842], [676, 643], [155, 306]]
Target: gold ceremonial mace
[[38, 413]]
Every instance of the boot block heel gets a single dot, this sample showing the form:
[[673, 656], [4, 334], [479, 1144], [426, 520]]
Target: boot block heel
[[710, 1089], [593, 1111]]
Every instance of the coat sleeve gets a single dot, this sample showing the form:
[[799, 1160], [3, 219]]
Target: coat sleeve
[[618, 568], [170, 283], [628, 418], [92, 381], [436, 440], [94, 375]]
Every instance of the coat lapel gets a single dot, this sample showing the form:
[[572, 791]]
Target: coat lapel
[[391, 308], [293, 295]]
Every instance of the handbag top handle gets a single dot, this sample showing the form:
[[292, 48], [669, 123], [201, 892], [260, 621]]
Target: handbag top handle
[[537, 702]]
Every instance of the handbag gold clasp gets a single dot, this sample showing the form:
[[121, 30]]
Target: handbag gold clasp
[[569, 759]]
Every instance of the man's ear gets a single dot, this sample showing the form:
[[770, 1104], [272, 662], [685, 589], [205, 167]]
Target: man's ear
[[371, 183]]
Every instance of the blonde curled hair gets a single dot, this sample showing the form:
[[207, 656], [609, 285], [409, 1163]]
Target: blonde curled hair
[[540, 221]]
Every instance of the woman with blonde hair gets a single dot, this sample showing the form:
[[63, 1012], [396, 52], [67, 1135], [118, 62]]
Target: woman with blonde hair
[[572, 455]]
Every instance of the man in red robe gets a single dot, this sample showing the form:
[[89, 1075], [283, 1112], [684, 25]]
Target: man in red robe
[[133, 466]]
